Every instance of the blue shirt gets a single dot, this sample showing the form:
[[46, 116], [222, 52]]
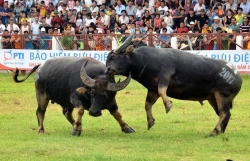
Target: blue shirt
[[119, 9], [4, 18], [44, 42], [164, 38], [28, 44]]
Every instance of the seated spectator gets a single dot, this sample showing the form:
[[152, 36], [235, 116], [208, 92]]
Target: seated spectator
[[109, 11], [51, 7], [198, 7], [182, 28], [42, 9], [149, 8], [18, 9], [165, 39], [148, 26], [231, 5], [162, 8], [131, 20], [167, 18], [104, 19], [2, 27], [245, 7], [16, 39], [103, 7], [221, 11], [216, 24], [123, 28], [138, 29], [205, 28], [23, 17], [130, 9], [139, 2], [145, 18], [25, 27], [192, 27], [43, 24], [5, 12], [139, 13], [48, 18], [6, 39], [178, 18], [233, 24], [188, 5], [71, 4], [123, 18], [88, 20], [119, 8], [228, 17], [94, 16], [164, 25], [190, 17], [113, 19], [56, 20], [157, 23], [60, 7], [239, 16], [12, 26], [202, 19], [245, 27], [79, 20], [77, 7]]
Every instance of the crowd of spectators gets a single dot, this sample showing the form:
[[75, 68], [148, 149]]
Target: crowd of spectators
[[43, 18]]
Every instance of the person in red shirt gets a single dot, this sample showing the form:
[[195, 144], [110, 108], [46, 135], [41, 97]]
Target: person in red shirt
[[56, 20], [182, 28]]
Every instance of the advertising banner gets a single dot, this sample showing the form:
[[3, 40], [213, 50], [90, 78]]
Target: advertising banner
[[27, 59]]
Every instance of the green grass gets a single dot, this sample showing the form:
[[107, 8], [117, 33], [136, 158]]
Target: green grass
[[179, 135]]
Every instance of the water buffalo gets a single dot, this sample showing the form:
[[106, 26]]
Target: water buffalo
[[66, 81], [180, 75]]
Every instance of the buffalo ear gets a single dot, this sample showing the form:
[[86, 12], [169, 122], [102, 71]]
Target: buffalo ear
[[129, 49], [82, 90]]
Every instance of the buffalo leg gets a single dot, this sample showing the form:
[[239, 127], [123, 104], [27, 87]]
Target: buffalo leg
[[41, 109], [67, 112], [77, 126], [124, 126], [163, 94], [224, 113], [150, 100]]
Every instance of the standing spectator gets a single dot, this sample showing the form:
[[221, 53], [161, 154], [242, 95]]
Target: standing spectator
[[6, 40], [42, 9], [28, 41], [187, 6], [198, 7], [162, 9], [245, 27], [232, 39], [71, 5], [78, 7], [216, 24], [231, 5], [113, 19], [245, 7], [2, 27], [145, 18], [119, 8], [104, 19], [16, 39], [12, 26], [164, 38], [130, 9], [35, 31], [51, 7], [44, 40], [202, 19], [25, 27], [168, 19], [123, 18], [5, 12], [239, 16], [191, 17]]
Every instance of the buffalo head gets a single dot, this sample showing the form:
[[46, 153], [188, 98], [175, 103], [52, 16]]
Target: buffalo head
[[102, 90], [118, 60]]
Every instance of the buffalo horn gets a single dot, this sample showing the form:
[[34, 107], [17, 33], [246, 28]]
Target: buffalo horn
[[126, 43], [85, 78], [119, 85]]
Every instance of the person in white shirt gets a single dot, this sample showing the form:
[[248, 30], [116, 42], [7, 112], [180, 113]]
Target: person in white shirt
[[12, 26], [78, 7], [35, 31], [164, 25], [123, 18], [2, 27], [139, 13], [60, 7], [168, 19], [104, 18], [198, 7], [94, 8], [162, 9], [48, 18]]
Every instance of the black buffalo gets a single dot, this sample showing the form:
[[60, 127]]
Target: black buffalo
[[180, 75], [66, 81]]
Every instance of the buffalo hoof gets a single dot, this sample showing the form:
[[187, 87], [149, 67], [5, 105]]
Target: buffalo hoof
[[213, 133], [76, 132], [129, 130], [151, 124], [41, 131], [169, 106]]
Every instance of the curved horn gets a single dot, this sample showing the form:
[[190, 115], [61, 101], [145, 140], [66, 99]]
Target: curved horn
[[120, 85], [85, 78], [126, 43]]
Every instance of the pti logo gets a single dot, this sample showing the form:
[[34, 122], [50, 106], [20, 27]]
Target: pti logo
[[7, 55]]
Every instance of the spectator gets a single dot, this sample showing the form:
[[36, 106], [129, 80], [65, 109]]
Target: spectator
[[48, 18], [182, 28], [64, 11], [51, 8], [149, 8], [94, 16], [202, 19], [245, 27], [25, 27], [113, 19], [94, 7], [44, 40], [109, 11], [233, 25], [178, 18], [157, 23], [35, 31], [164, 38], [16, 39], [88, 20], [192, 27], [42, 9], [131, 9], [228, 17], [28, 6], [43, 24], [71, 5], [6, 40], [138, 29], [5, 12], [103, 7], [123, 18], [148, 26], [12, 26], [145, 18], [18, 9], [216, 24], [28, 41], [239, 16], [119, 8], [232, 39], [168, 19], [139, 2], [245, 7], [198, 7], [104, 19], [205, 28], [210, 41], [164, 25], [221, 11], [131, 20], [162, 8], [218, 2], [191, 17], [123, 28], [2, 27], [60, 7], [188, 6], [23, 17], [139, 13], [78, 7], [56, 20], [231, 5], [79, 20]]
